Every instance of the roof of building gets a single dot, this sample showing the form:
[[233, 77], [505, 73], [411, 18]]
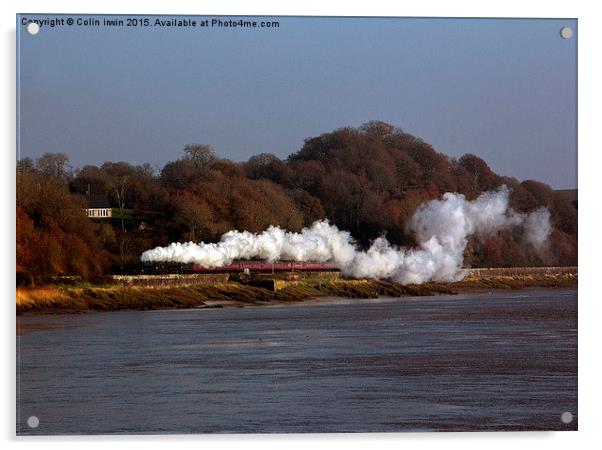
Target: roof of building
[[97, 201]]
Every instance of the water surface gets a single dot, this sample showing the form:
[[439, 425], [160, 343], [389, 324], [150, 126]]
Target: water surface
[[500, 361]]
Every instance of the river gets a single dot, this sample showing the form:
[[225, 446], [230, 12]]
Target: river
[[505, 360]]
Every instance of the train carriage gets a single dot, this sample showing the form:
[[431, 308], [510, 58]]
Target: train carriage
[[237, 266]]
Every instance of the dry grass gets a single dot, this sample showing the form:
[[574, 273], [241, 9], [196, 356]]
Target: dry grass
[[536, 278], [69, 298], [61, 299], [39, 297]]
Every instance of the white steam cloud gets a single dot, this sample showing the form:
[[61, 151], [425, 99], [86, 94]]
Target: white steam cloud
[[441, 229]]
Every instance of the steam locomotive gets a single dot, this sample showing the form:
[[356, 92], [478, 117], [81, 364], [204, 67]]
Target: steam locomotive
[[238, 266]]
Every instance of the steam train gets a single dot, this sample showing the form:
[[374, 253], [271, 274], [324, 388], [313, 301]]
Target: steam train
[[238, 266]]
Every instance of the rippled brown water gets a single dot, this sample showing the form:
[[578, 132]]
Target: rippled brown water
[[505, 361]]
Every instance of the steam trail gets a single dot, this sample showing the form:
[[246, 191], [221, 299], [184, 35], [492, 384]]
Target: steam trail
[[441, 228]]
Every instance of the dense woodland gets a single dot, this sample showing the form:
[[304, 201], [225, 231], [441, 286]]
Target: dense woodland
[[368, 180]]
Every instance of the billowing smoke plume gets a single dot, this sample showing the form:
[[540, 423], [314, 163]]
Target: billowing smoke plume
[[441, 229]]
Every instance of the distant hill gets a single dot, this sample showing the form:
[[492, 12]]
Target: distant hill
[[568, 194]]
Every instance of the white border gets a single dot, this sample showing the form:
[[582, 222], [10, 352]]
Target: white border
[[590, 147]]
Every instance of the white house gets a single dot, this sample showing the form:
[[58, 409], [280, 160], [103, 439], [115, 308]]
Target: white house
[[98, 207]]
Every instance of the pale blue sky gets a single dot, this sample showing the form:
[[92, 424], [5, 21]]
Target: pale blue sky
[[504, 89]]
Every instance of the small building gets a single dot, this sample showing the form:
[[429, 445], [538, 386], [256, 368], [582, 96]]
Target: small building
[[98, 207]]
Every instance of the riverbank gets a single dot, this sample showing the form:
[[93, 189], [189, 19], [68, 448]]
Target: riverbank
[[57, 299], [65, 298]]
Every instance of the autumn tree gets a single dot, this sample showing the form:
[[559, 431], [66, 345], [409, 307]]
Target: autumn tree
[[193, 215], [268, 166], [54, 235], [483, 178], [180, 174]]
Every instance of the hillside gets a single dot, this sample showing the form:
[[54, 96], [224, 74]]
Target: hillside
[[367, 180]]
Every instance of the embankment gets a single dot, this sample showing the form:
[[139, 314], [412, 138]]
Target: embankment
[[162, 292], [518, 277]]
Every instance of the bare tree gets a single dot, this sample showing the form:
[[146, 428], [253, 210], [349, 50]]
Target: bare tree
[[201, 155], [53, 164], [120, 189]]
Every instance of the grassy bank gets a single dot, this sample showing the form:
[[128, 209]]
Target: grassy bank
[[230, 294], [82, 297]]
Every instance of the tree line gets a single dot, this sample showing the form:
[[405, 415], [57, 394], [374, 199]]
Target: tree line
[[367, 180]]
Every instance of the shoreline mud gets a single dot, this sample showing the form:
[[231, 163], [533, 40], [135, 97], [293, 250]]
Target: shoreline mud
[[237, 293]]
